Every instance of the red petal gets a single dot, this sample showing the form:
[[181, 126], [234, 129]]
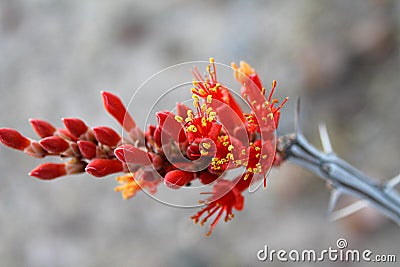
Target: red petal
[[75, 126], [54, 144], [12, 138], [42, 128], [170, 127], [103, 167], [181, 110], [49, 171], [116, 108], [106, 136]]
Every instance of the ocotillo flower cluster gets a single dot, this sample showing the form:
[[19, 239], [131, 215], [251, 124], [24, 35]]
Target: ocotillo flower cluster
[[194, 144]]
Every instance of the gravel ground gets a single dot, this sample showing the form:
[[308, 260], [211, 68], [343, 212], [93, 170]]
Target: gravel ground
[[341, 57]]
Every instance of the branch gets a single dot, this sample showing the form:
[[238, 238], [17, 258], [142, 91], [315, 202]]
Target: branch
[[344, 178]]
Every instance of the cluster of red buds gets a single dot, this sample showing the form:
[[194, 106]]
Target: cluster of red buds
[[191, 145]]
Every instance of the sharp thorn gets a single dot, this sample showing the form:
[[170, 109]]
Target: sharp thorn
[[344, 212], [326, 142], [335, 195], [297, 122], [392, 183]]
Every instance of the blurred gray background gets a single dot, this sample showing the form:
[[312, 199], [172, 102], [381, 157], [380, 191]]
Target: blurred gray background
[[341, 57]]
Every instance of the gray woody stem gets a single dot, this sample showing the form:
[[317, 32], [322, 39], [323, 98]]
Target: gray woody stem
[[344, 178]]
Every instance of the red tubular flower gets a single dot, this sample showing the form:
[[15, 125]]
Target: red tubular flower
[[75, 126], [115, 107], [106, 136], [49, 171], [104, 167], [13, 139], [54, 144], [176, 179], [42, 128]]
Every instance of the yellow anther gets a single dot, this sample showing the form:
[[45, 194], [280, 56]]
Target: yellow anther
[[203, 122], [244, 152], [270, 115], [206, 145], [202, 92], [203, 152], [230, 147], [211, 60], [209, 99], [264, 156], [192, 128], [178, 118], [203, 107], [226, 143], [257, 148]]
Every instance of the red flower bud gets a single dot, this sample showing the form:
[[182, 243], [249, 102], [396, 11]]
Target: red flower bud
[[42, 128], [103, 167], [75, 126], [177, 178], [66, 134], [131, 154], [106, 136], [54, 144], [12, 138], [88, 149], [115, 107], [206, 178], [49, 171]]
